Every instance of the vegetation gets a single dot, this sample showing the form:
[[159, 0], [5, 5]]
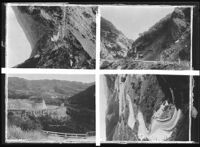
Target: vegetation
[[81, 120], [24, 123], [15, 132], [36, 90]]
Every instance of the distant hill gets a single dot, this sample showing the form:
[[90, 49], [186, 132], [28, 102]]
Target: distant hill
[[19, 88]]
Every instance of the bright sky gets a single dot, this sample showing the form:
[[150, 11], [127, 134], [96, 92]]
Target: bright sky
[[79, 78], [132, 20], [18, 48]]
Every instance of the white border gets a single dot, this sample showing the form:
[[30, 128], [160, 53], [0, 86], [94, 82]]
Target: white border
[[97, 71], [147, 142], [191, 36], [97, 78], [104, 5], [190, 105]]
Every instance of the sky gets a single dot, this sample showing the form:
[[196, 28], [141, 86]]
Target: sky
[[17, 46], [132, 20], [79, 78]]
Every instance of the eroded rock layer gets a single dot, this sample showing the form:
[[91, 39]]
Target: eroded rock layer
[[60, 37]]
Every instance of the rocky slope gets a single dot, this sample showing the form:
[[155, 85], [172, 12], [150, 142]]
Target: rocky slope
[[168, 40], [166, 45], [134, 101], [53, 91], [60, 37], [114, 44]]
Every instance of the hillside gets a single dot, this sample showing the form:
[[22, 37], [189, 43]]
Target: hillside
[[60, 37], [168, 39], [50, 90], [81, 108], [84, 98], [71, 104], [114, 44]]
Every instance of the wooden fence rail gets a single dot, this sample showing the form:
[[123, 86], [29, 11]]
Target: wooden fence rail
[[69, 134]]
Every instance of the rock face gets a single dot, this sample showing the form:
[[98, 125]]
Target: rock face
[[60, 37], [166, 45], [147, 95], [114, 44], [167, 40]]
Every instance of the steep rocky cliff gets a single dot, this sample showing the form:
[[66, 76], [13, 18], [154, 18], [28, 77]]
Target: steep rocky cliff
[[147, 107], [114, 44], [60, 36], [166, 45], [167, 40]]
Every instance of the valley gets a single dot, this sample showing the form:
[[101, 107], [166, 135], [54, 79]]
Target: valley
[[51, 106], [165, 45]]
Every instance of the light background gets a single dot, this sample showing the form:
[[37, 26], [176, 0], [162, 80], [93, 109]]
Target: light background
[[18, 48]]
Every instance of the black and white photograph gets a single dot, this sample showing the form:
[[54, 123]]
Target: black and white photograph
[[146, 37], [144, 108], [50, 108], [100, 73], [43, 35]]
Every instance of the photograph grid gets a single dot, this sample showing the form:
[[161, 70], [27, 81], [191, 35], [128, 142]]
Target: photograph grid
[[100, 74]]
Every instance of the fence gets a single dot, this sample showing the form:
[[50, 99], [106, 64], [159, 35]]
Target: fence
[[92, 133]]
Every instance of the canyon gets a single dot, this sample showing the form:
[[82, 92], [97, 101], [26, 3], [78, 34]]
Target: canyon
[[143, 107], [165, 45]]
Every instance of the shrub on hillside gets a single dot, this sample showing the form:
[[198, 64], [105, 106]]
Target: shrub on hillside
[[14, 132], [24, 123]]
